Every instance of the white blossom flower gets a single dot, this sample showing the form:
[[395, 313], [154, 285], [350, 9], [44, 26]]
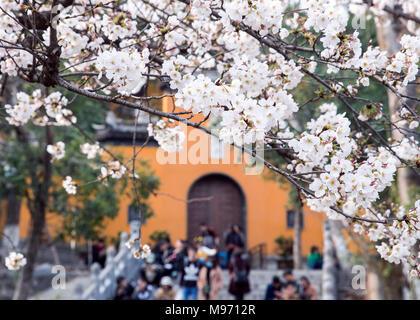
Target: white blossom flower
[[143, 252], [91, 150], [413, 125], [114, 169], [15, 261], [57, 151], [69, 185], [125, 68], [169, 138]]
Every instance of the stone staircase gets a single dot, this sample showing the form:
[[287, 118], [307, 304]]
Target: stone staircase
[[259, 279]]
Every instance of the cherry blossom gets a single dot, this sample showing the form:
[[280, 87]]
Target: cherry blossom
[[124, 68], [243, 63], [91, 150], [69, 185], [15, 261], [170, 137], [57, 151], [114, 169]]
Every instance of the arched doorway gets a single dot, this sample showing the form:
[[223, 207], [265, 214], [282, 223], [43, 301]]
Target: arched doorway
[[226, 207]]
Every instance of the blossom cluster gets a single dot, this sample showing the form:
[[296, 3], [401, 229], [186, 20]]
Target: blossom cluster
[[57, 151], [91, 150], [71, 42], [11, 59], [29, 107], [169, 137], [238, 62], [341, 178], [330, 19], [143, 252], [24, 109], [69, 185], [407, 58], [261, 16], [398, 239], [114, 169], [118, 27], [408, 149], [245, 118], [251, 74], [125, 68], [343, 181]]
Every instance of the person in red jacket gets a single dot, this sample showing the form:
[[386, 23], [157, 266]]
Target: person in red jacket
[[239, 272]]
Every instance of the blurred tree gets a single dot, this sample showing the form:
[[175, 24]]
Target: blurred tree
[[158, 235], [28, 173]]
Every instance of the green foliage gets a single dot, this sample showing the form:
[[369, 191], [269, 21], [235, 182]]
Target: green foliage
[[12, 167], [149, 182], [284, 246], [145, 185], [293, 200], [158, 235]]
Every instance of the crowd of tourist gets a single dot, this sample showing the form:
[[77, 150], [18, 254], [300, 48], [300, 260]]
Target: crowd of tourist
[[191, 271], [289, 288]]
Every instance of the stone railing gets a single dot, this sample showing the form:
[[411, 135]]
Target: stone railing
[[417, 289], [340, 245], [103, 282], [335, 282], [329, 272]]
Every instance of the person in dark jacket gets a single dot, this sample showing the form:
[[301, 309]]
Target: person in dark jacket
[[163, 250], [152, 271], [124, 289], [189, 275], [239, 272], [143, 291], [176, 259], [99, 252], [210, 238], [273, 291], [234, 240]]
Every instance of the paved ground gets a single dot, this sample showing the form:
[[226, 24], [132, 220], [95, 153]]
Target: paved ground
[[72, 290]]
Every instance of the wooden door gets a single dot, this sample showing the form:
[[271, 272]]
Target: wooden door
[[226, 206]]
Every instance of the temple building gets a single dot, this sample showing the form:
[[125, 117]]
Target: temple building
[[205, 181]]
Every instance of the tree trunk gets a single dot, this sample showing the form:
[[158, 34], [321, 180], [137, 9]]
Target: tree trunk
[[24, 283], [52, 247], [389, 31], [297, 241], [38, 209], [374, 286], [11, 229]]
